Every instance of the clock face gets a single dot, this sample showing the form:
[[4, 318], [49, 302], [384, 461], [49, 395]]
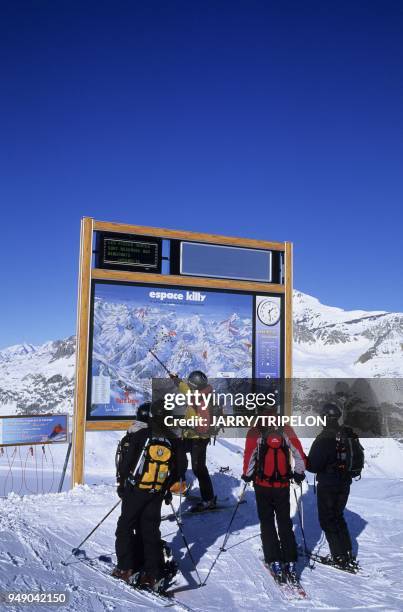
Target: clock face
[[268, 312]]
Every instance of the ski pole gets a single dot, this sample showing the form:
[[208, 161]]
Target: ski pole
[[227, 534], [240, 498], [160, 362], [74, 551], [180, 500], [186, 544], [300, 522], [301, 504]]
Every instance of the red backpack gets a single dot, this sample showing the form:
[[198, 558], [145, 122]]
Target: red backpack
[[273, 458]]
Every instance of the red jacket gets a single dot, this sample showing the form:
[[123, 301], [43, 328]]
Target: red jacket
[[254, 437]]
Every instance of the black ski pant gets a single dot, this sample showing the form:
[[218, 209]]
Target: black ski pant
[[273, 503], [138, 536], [197, 447], [332, 500]]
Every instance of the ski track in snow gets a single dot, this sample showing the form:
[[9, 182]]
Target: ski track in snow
[[38, 532]]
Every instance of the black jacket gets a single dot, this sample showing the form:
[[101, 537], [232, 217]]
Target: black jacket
[[322, 459], [136, 439]]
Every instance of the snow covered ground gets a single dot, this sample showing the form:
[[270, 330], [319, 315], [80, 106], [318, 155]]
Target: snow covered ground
[[38, 532]]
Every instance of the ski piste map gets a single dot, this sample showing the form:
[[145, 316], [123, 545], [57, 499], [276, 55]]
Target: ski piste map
[[187, 329]]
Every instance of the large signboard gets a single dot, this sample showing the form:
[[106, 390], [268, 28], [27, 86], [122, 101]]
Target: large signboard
[[138, 322], [140, 332], [38, 429]]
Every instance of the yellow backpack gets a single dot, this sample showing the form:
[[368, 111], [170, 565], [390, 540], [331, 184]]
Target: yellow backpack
[[155, 467]]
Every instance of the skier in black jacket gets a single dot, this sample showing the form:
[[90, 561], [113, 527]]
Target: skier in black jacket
[[142, 485], [333, 488]]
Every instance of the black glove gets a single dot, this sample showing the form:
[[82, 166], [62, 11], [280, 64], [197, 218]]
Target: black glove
[[120, 490], [168, 497], [298, 478], [246, 478]]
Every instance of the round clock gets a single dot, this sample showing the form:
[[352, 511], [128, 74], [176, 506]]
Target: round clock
[[268, 312]]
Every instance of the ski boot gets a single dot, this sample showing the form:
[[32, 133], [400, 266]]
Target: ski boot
[[204, 506], [340, 561], [129, 576], [276, 570], [150, 583], [351, 561], [290, 571]]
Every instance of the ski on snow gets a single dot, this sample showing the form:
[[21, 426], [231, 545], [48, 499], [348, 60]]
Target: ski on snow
[[297, 588], [197, 498], [289, 590], [329, 563], [189, 512], [103, 565]]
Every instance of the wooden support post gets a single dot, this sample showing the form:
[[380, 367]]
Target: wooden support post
[[83, 322], [288, 327]]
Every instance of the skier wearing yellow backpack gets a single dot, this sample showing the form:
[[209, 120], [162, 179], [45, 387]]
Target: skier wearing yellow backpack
[[146, 466]]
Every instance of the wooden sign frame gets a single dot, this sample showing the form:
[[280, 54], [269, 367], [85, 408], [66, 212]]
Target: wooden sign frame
[[87, 274]]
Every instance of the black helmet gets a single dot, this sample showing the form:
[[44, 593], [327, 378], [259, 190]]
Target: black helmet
[[197, 380], [330, 411], [143, 412], [158, 409]]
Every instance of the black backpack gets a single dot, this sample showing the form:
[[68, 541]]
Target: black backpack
[[122, 457], [154, 466], [349, 453]]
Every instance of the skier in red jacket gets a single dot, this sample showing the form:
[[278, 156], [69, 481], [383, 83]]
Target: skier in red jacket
[[267, 465]]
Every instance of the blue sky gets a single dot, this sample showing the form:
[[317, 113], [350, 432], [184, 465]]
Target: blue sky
[[273, 120]]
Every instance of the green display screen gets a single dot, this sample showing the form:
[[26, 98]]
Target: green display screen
[[127, 252], [130, 252]]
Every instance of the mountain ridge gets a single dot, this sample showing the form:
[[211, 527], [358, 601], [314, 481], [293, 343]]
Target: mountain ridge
[[328, 341]]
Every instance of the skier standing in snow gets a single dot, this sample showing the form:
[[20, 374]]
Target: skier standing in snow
[[146, 466], [196, 439], [267, 465], [334, 479]]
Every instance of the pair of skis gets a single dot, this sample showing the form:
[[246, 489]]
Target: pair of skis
[[328, 561], [103, 565], [290, 590], [189, 512]]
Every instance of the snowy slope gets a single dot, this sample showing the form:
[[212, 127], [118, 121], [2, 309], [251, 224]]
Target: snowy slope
[[39, 531]]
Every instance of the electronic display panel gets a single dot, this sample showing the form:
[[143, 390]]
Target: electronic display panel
[[127, 252], [218, 261], [140, 332]]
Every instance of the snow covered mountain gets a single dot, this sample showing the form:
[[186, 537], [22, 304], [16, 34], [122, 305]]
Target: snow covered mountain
[[332, 342], [328, 342], [37, 379]]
